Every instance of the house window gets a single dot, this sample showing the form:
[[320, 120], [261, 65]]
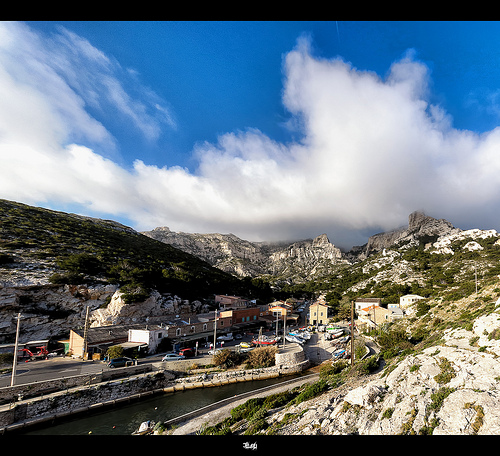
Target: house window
[[255, 317], [178, 332], [192, 329], [160, 335], [205, 326]]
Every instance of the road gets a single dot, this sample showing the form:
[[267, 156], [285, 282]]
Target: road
[[58, 367]]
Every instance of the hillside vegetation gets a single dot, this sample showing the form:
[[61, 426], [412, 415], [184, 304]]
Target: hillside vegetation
[[77, 249]]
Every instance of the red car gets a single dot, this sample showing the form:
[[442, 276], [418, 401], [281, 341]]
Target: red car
[[187, 352]]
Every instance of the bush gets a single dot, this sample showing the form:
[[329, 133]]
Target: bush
[[116, 351], [392, 342], [312, 390], [332, 369], [227, 358], [447, 371], [6, 358], [247, 410], [422, 308], [261, 357]]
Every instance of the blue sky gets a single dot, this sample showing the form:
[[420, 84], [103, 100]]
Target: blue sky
[[270, 130]]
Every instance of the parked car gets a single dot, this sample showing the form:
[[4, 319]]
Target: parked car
[[238, 336], [120, 362], [217, 350], [187, 352], [172, 357], [228, 336]]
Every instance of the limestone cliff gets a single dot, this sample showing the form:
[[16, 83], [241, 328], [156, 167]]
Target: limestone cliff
[[231, 254]]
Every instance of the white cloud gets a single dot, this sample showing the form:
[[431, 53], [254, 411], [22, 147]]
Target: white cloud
[[372, 150]]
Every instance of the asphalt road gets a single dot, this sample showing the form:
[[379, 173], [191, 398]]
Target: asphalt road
[[58, 367]]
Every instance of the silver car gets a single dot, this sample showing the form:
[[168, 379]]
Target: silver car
[[172, 357]]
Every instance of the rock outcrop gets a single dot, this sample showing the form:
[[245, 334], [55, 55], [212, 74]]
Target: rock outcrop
[[48, 310], [156, 305], [421, 227]]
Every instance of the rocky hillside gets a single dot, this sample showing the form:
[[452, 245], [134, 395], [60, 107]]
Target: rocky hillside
[[53, 265], [437, 372]]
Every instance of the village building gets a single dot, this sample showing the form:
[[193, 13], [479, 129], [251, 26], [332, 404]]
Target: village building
[[407, 300], [241, 320], [231, 302], [318, 313], [360, 303], [372, 317], [150, 336], [100, 338]]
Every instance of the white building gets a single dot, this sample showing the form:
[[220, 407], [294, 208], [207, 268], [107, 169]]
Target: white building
[[151, 336], [408, 300]]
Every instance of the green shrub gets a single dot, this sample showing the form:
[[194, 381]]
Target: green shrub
[[438, 398], [393, 341], [388, 413], [116, 351], [328, 370], [310, 391], [367, 366], [6, 358], [422, 308], [447, 372]]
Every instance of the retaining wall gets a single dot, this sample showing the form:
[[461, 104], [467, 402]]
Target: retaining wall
[[41, 388]]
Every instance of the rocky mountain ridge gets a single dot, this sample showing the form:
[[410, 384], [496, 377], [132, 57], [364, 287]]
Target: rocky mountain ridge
[[244, 258], [300, 260]]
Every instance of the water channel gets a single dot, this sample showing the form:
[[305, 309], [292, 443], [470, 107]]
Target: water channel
[[125, 419]]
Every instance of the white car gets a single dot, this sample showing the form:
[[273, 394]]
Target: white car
[[211, 352], [228, 336]]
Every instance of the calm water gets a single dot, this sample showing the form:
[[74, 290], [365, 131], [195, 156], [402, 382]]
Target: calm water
[[125, 419]]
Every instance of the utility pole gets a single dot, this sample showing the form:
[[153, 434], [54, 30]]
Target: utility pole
[[215, 331], [85, 334], [352, 334], [16, 345], [284, 329]]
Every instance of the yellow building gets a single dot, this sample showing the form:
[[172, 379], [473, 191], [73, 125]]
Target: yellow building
[[318, 313]]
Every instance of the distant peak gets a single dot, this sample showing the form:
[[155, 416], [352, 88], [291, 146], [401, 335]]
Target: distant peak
[[321, 239], [162, 228]]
